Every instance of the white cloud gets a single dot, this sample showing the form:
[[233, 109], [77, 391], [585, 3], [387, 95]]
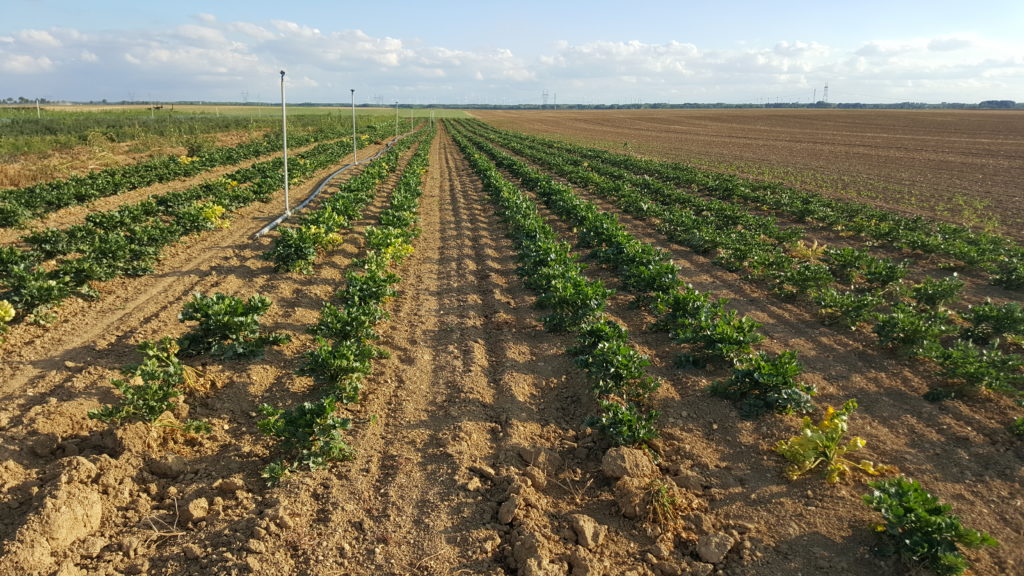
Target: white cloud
[[24, 64], [201, 35], [210, 59], [39, 38], [251, 30], [293, 29], [883, 49], [949, 43]]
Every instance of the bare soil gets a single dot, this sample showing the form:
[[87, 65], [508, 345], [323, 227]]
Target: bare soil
[[473, 455], [961, 166]]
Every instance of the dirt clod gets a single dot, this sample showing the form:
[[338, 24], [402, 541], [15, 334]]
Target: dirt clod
[[589, 533], [622, 461], [170, 465], [712, 548]]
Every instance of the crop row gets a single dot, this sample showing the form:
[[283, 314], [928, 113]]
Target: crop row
[[916, 525], [849, 286], [128, 241], [759, 383], [296, 248], [575, 304], [1000, 257], [310, 434], [22, 204]]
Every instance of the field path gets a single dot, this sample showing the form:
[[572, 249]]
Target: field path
[[459, 392]]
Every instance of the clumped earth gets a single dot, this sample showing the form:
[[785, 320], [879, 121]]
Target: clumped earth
[[473, 456]]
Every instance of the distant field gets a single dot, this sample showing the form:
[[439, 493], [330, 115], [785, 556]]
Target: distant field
[[960, 166], [61, 141], [226, 110]]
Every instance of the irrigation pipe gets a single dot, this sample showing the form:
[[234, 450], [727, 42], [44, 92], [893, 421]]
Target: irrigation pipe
[[323, 184]]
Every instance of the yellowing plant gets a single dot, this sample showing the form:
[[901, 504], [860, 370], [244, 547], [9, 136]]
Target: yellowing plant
[[6, 312], [214, 214], [822, 443]]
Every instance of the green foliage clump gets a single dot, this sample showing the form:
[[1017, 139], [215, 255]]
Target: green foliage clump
[[846, 308], [620, 381], [228, 326], [1017, 427], [1009, 273], [989, 321], [143, 400], [883, 272], [295, 249], [969, 368], [603, 350], [28, 287], [935, 292], [911, 331], [847, 264], [311, 433], [625, 424], [920, 529], [153, 385], [341, 365], [761, 383]]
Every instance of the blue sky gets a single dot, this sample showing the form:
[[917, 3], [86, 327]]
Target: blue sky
[[511, 52]]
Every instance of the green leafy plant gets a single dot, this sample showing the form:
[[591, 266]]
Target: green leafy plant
[[724, 335], [228, 326], [935, 292], [911, 331], [625, 424], [341, 365], [920, 529], [603, 350], [311, 433], [881, 272], [790, 281], [969, 368], [1017, 427], [34, 291], [847, 263], [152, 385], [822, 444], [143, 400], [846, 308], [1009, 273], [351, 323], [761, 383], [295, 249], [989, 321]]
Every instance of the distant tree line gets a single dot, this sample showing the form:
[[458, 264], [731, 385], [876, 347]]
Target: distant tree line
[[984, 105]]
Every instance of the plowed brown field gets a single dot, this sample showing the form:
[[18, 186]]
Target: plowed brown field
[[962, 166]]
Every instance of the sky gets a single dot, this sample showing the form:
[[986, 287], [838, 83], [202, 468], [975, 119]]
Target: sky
[[513, 52]]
